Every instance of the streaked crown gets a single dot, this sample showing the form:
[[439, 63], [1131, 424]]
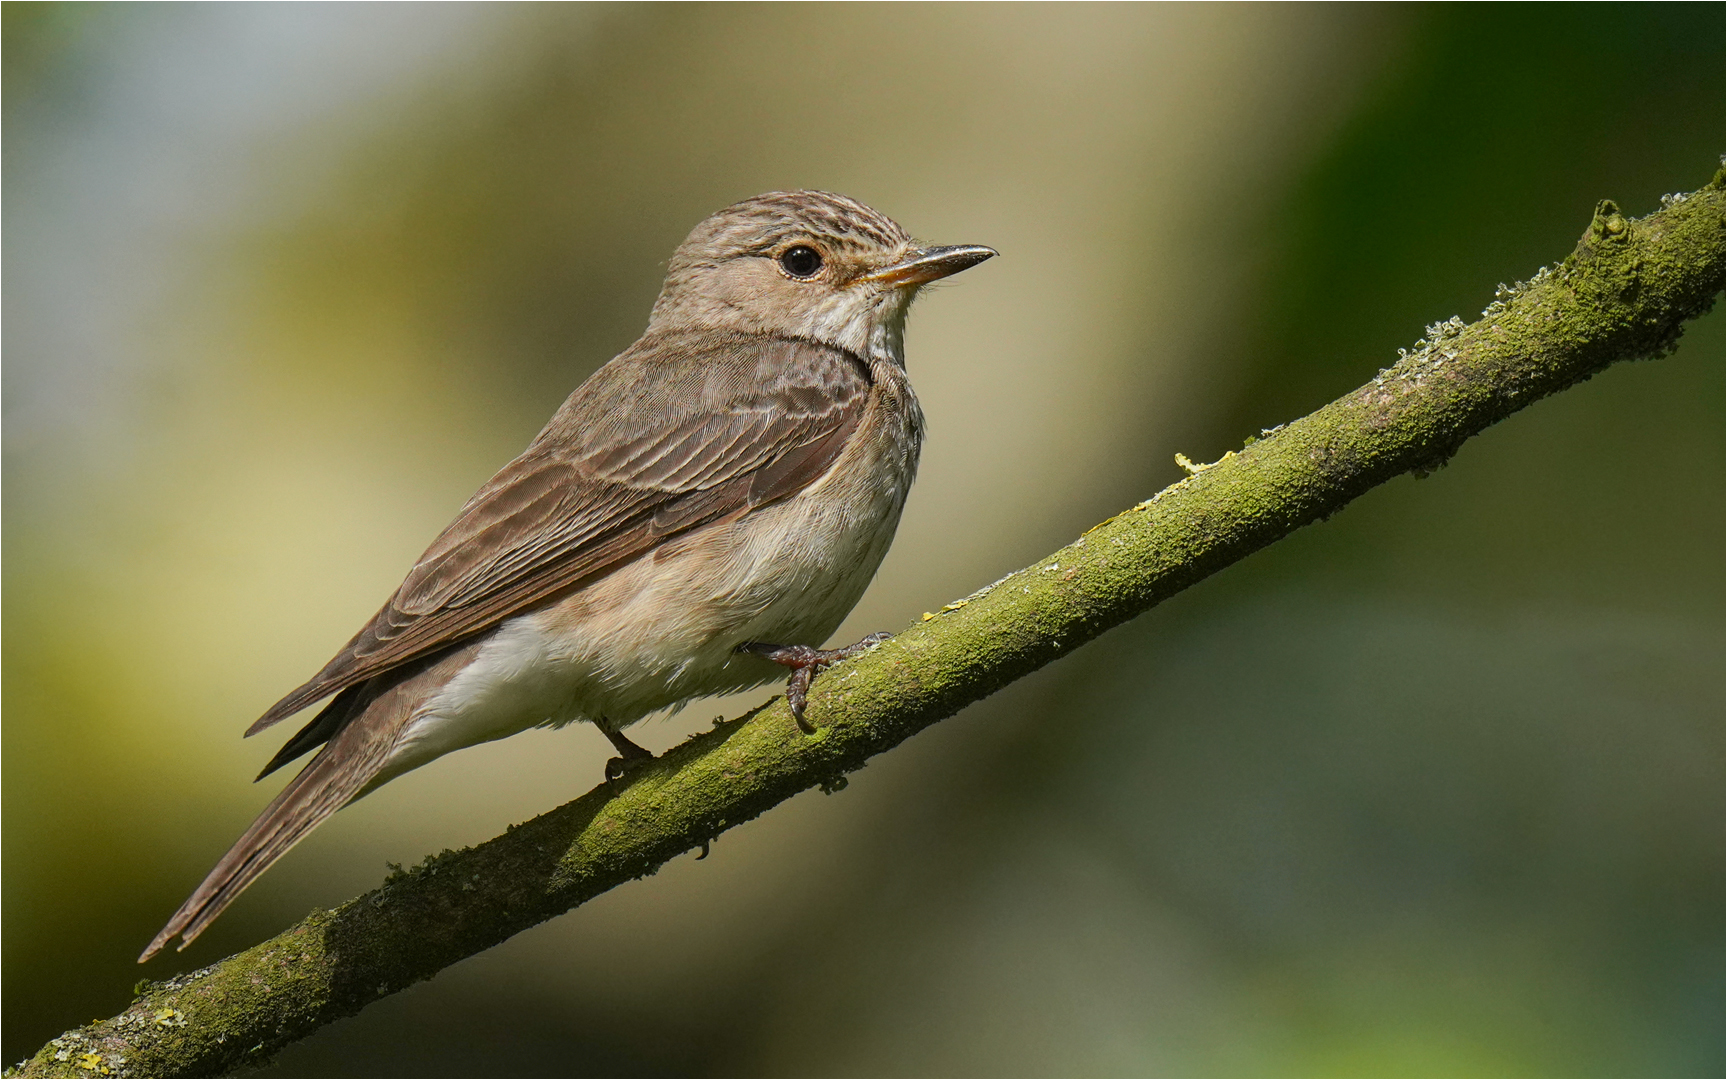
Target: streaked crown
[[806, 264], [759, 225]]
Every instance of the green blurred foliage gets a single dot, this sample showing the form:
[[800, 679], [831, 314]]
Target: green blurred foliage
[[1431, 788], [33, 36]]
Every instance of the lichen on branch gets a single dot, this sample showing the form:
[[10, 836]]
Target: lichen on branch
[[1625, 292]]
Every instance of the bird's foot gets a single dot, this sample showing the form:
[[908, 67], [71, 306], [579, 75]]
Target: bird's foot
[[806, 663], [630, 756]]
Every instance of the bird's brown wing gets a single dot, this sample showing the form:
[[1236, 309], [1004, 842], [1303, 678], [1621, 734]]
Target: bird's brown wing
[[678, 431]]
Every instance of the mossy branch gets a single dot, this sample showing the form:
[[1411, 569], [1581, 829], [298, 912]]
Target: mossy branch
[[1623, 293]]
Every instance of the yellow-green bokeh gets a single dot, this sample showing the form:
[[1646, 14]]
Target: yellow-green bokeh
[[1432, 788]]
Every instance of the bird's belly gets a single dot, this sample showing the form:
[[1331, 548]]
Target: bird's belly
[[663, 629]]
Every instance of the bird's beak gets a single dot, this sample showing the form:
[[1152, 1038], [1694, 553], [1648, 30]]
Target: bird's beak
[[931, 264]]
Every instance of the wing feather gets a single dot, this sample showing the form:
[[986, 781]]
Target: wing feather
[[678, 431]]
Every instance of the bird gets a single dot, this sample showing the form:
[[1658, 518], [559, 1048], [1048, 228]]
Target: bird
[[700, 514]]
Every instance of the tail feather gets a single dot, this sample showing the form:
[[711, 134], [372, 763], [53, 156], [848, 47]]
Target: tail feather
[[327, 783], [361, 725]]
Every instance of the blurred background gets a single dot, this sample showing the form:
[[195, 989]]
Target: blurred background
[[1432, 788]]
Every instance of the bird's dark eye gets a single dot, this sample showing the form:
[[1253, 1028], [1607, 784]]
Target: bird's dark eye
[[802, 261]]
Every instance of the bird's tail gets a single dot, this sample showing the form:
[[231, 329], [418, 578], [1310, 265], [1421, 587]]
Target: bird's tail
[[362, 726], [328, 782]]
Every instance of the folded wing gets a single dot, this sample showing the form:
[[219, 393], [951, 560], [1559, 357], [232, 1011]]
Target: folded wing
[[677, 432]]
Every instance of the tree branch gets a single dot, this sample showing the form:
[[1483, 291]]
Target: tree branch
[[1624, 293]]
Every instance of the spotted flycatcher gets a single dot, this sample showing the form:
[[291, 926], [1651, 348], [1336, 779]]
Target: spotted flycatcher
[[706, 506]]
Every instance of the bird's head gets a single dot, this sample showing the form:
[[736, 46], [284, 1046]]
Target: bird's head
[[806, 264]]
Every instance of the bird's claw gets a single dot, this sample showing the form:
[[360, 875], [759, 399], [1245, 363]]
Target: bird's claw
[[806, 663], [630, 756], [619, 767]]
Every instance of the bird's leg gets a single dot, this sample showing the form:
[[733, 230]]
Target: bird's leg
[[806, 663], [630, 756]]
